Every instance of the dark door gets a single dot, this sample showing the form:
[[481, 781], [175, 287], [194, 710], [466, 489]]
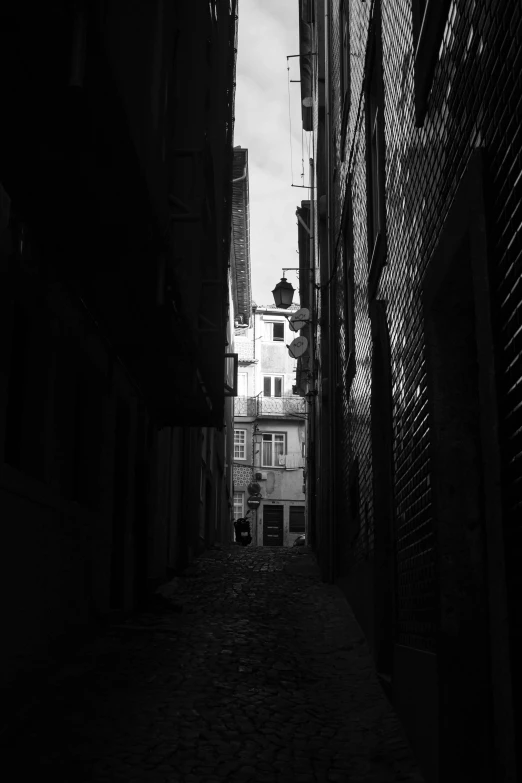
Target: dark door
[[273, 525]]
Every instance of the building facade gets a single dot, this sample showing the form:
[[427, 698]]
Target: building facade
[[116, 417], [269, 429], [415, 384]]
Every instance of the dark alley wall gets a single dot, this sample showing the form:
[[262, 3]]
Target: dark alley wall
[[116, 152], [413, 150]]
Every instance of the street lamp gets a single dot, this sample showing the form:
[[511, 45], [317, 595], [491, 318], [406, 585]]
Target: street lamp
[[258, 439], [283, 293]]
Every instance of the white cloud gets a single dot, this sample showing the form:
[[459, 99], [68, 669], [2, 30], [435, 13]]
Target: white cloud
[[268, 33]]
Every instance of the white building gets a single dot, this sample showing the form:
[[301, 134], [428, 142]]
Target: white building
[[269, 429]]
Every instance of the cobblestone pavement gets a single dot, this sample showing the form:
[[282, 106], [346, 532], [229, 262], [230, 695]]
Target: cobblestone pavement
[[264, 676]]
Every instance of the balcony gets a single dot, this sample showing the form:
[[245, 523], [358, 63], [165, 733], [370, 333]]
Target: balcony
[[269, 406], [245, 406]]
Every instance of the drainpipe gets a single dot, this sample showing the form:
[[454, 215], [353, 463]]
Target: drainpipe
[[313, 381], [330, 244]]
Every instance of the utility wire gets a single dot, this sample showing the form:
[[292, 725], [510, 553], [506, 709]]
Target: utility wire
[[290, 125]]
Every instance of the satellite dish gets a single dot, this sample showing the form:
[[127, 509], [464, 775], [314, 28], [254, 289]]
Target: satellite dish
[[308, 102], [299, 319], [297, 347]]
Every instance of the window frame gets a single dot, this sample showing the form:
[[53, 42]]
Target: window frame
[[375, 157], [230, 373], [240, 377], [278, 339], [344, 71], [244, 444], [242, 513], [428, 32], [272, 386], [271, 325], [285, 441]]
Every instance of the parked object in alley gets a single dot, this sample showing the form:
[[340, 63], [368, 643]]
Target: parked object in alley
[[242, 528], [300, 540]]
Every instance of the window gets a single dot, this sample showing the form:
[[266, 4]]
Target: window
[[231, 365], [275, 330], [274, 448], [239, 444], [242, 384], [344, 26], [273, 386], [375, 158], [297, 519], [239, 504], [429, 21], [349, 284]]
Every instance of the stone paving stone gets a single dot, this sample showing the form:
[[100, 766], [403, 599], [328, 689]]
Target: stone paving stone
[[263, 676]]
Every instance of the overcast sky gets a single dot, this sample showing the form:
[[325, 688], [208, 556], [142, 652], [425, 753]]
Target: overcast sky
[[268, 32]]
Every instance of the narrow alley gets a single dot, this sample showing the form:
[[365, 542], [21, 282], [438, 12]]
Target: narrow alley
[[253, 669]]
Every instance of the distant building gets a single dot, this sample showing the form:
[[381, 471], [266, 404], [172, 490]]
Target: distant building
[[269, 429]]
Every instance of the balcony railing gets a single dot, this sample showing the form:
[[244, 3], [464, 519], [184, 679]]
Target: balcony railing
[[245, 406], [269, 406]]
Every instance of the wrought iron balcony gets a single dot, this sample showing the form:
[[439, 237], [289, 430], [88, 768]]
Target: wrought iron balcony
[[245, 406], [269, 406], [280, 406]]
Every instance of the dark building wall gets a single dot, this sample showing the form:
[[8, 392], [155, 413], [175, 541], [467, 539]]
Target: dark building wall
[[136, 156], [99, 504], [474, 104], [58, 473], [105, 374]]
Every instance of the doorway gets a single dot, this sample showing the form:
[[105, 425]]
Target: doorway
[[273, 525]]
